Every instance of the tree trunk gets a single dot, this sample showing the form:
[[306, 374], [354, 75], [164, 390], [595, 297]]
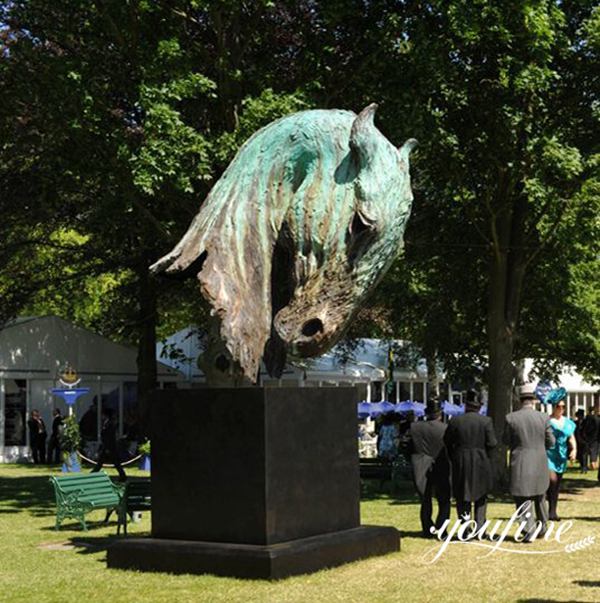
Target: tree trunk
[[507, 270], [433, 381], [146, 355]]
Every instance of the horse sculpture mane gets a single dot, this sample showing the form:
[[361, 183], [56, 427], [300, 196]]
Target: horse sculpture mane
[[297, 231]]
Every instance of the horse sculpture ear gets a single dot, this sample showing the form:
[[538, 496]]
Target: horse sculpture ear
[[362, 139], [406, 148]]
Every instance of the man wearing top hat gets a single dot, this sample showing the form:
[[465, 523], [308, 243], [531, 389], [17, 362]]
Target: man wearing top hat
[[528, 434], [470, 438], [431, 467]]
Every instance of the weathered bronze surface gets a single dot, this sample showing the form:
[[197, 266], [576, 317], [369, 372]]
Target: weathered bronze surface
[[301, 226]]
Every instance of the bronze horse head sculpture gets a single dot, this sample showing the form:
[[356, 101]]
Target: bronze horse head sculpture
[[298, 230]]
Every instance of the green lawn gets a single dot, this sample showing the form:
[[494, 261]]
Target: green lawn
[[33, 568]]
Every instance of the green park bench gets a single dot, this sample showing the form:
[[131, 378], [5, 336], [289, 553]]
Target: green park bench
[[136, 497], [375, 468], [79, 494]]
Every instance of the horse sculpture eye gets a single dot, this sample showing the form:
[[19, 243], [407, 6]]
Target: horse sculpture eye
[[361, 233], [359, 224]]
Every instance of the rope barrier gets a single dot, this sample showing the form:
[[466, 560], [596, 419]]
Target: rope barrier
[[92, 462]]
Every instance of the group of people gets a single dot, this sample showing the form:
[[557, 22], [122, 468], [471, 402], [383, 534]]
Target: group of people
[[455, 458], [38, 437], [108, 452]]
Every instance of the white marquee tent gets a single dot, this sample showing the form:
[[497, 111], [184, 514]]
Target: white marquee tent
[[366, 370], [34, 350]]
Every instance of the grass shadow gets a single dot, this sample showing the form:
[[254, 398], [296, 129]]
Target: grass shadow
[[396, 493], [592, 583], [413, 534], [572, 485], [549, 601], [86, 545], [32, 494]]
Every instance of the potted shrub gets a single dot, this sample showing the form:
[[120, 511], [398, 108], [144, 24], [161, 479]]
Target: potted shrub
[[144, 450], [70, 440]]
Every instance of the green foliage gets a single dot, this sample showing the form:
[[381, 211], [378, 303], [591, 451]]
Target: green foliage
[[257, 112], [145, 448], [171, 149], [118, 117], [70, 438]]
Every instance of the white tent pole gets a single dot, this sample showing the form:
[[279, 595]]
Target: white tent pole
[[27, 408], [121, 409], [99, 408]]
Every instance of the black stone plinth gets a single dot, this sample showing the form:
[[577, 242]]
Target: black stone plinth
[[254, 482], [270, 562], [254, 465]]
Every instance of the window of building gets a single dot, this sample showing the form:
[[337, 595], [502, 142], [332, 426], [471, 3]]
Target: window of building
[[377, 391], [418, 391], [15, 408], [404, 391]]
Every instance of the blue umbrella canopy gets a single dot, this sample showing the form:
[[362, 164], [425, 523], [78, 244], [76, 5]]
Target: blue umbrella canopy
[[387, 407], [452, 410], [375, 409], [364, 410], [418, 408], [406, 406]]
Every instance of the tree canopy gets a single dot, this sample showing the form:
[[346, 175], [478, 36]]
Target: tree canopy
[[117, 118]]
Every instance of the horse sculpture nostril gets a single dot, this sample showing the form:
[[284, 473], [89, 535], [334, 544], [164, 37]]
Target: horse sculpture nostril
[[312, 327]]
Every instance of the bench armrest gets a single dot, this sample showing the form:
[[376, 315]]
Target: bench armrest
[[119, 489], [72, 500]]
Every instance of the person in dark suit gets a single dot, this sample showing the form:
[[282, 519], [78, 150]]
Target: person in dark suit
[[528, 435], [579, 418], [54, 441], [590, 431], [109, 451], [37, 437], [431, 467], [470, 438]]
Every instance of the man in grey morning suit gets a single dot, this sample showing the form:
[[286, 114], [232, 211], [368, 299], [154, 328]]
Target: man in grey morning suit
[[470, 439], [431, 467], [528, 434]]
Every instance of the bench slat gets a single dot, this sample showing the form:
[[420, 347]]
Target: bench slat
[[87, 477]]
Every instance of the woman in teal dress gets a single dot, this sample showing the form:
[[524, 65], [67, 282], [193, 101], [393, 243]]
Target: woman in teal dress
[[564, 449]]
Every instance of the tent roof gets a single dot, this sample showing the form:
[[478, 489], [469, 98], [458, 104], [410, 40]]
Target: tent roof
[[45, 344], [369, 360]]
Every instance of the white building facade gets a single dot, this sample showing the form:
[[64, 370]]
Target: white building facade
[[34, 350]]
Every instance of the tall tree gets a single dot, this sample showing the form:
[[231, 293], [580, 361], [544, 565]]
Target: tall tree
[[504, 120]]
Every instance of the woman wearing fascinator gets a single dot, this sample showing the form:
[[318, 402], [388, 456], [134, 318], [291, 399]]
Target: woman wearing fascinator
[[564, 449]]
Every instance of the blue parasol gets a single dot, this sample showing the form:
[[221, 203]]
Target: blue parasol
[[406, 406], [452, 410], [364, 410], [418, 408]]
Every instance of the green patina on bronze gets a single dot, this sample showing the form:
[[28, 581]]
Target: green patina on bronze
[[299, 229]]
